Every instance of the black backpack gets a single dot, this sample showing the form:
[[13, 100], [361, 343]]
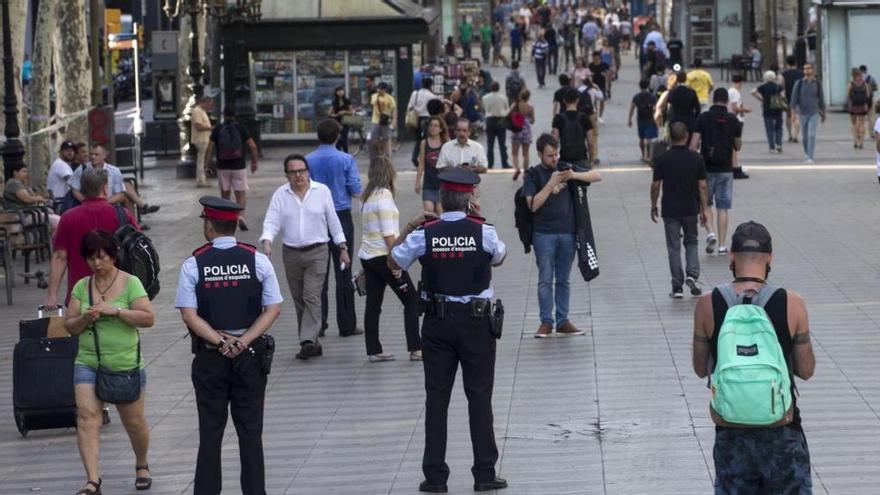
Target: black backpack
[[229, 145], [715, 143], [585, 101], [571, 137], [858, 95], [522, 215], [137, 255], [514, 86]]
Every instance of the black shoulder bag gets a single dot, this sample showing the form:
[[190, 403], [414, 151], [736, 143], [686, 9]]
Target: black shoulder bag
[[116, 387]]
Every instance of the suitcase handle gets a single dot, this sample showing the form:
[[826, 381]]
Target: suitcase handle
[[43, 307]]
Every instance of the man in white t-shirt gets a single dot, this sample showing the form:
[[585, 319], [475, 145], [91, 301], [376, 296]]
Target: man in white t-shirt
[[463, 151], [60, 171], [877, 142]]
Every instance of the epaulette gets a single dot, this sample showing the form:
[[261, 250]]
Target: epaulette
[[429, 221], [477, 219], [202, 249], [249, 247]]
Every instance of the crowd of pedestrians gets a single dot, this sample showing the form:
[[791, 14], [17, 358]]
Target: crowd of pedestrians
[[689, 130]]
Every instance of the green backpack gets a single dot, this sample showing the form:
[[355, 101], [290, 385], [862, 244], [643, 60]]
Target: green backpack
[[751, 384]]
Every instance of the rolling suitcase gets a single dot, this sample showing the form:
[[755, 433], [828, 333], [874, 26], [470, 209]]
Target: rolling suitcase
[[42, 375]]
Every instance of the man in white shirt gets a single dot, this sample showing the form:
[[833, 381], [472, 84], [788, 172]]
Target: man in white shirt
[[496, 107], [302, 211], [463, 150], [60, 172], [119, 191], [418, 101]]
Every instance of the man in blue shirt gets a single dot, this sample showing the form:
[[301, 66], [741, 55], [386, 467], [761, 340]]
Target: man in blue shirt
[[338, 171], [546, 190]]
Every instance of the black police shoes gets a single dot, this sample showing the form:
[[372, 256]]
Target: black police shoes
[[429, 488], [309, 350], [496, 484]]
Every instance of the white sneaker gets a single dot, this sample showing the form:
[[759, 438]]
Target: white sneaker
[[676, 294], [722, 250], [601, 121], [711, 241], [809, 161], [693, 285]]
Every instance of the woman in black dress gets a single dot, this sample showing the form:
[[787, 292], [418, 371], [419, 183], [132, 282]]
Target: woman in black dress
[[341, 107]]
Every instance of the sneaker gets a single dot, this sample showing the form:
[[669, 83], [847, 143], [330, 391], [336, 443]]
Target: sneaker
[[691, 282], [568, 329], [147, 209], [676, 294], [415, 356], [544, 331], [722, 250], [711, 241], [600, 120], [809, 161], [779, 149], [378, 358]]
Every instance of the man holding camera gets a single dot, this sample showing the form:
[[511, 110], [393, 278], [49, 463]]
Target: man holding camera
[[553, 223], [457, 252]]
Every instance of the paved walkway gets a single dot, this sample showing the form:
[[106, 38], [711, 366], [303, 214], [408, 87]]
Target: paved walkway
[[618, 411]]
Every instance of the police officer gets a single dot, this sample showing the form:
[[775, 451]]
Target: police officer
[[457, 252], [229, 297]]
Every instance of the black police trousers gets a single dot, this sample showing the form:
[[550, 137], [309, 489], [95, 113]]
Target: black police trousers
[[458, 338], [221, 385]]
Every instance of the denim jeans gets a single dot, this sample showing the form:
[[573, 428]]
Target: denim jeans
[[554, 254], [495, 130], [541, 70], [675, 227], [773, 128], [809, 123]]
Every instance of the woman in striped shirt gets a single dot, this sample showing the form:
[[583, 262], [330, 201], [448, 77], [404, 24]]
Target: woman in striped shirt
[[380, 229]]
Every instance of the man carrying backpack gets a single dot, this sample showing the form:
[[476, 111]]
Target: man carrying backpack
[[572, 128], [751, 328], [229, 140], [514, 83], [717, 134]]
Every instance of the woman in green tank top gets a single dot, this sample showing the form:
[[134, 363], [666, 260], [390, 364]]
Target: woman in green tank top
[[115, 309]]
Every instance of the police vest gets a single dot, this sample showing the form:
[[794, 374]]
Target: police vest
[[455, 263], [228, 294]]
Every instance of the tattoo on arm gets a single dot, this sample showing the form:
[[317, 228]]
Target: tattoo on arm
[[801, 338]]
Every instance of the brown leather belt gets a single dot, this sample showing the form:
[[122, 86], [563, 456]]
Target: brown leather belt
[[309, 247]]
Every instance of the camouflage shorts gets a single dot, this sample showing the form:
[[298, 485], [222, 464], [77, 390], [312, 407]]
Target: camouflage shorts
[[759, 461]]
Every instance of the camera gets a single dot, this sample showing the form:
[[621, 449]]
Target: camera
[[563, 166]]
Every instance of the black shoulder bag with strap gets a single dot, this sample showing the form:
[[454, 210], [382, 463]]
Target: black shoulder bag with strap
[[116, 387]]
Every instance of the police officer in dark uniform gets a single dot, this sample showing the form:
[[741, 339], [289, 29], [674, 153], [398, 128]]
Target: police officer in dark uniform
[[461, 323], [228, 296]]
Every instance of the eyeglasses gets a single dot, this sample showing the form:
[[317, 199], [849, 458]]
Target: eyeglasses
[[298, 171]]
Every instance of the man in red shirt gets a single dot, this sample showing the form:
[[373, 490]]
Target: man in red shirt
[[94, 213]]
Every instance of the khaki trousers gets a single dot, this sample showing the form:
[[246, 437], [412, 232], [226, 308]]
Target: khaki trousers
[[200, 163], [305, 271]]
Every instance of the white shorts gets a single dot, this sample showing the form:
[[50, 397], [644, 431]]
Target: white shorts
[[235, 180]]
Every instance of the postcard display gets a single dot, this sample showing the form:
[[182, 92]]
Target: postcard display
[[294, 90]]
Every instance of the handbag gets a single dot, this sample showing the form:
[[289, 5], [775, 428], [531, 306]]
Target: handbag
[[777, 102], [116, 387], [412, 115]]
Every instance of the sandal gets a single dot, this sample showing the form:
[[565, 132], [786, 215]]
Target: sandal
[[142, 482], [89, 490]]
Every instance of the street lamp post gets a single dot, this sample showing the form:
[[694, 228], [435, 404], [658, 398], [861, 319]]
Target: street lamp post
[[238, 13], [13, 150], [186, 168]]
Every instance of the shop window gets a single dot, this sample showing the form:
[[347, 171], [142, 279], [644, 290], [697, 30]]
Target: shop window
[[273, 95], [318, 73]]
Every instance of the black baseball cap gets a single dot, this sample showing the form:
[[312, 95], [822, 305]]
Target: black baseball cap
[[68, 145], [751, 237]]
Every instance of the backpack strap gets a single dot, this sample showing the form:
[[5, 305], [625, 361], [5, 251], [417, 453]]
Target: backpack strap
[[760, 299]]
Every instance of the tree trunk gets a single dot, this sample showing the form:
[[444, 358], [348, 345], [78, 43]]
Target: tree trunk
[[73, 83], [41, 145]]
